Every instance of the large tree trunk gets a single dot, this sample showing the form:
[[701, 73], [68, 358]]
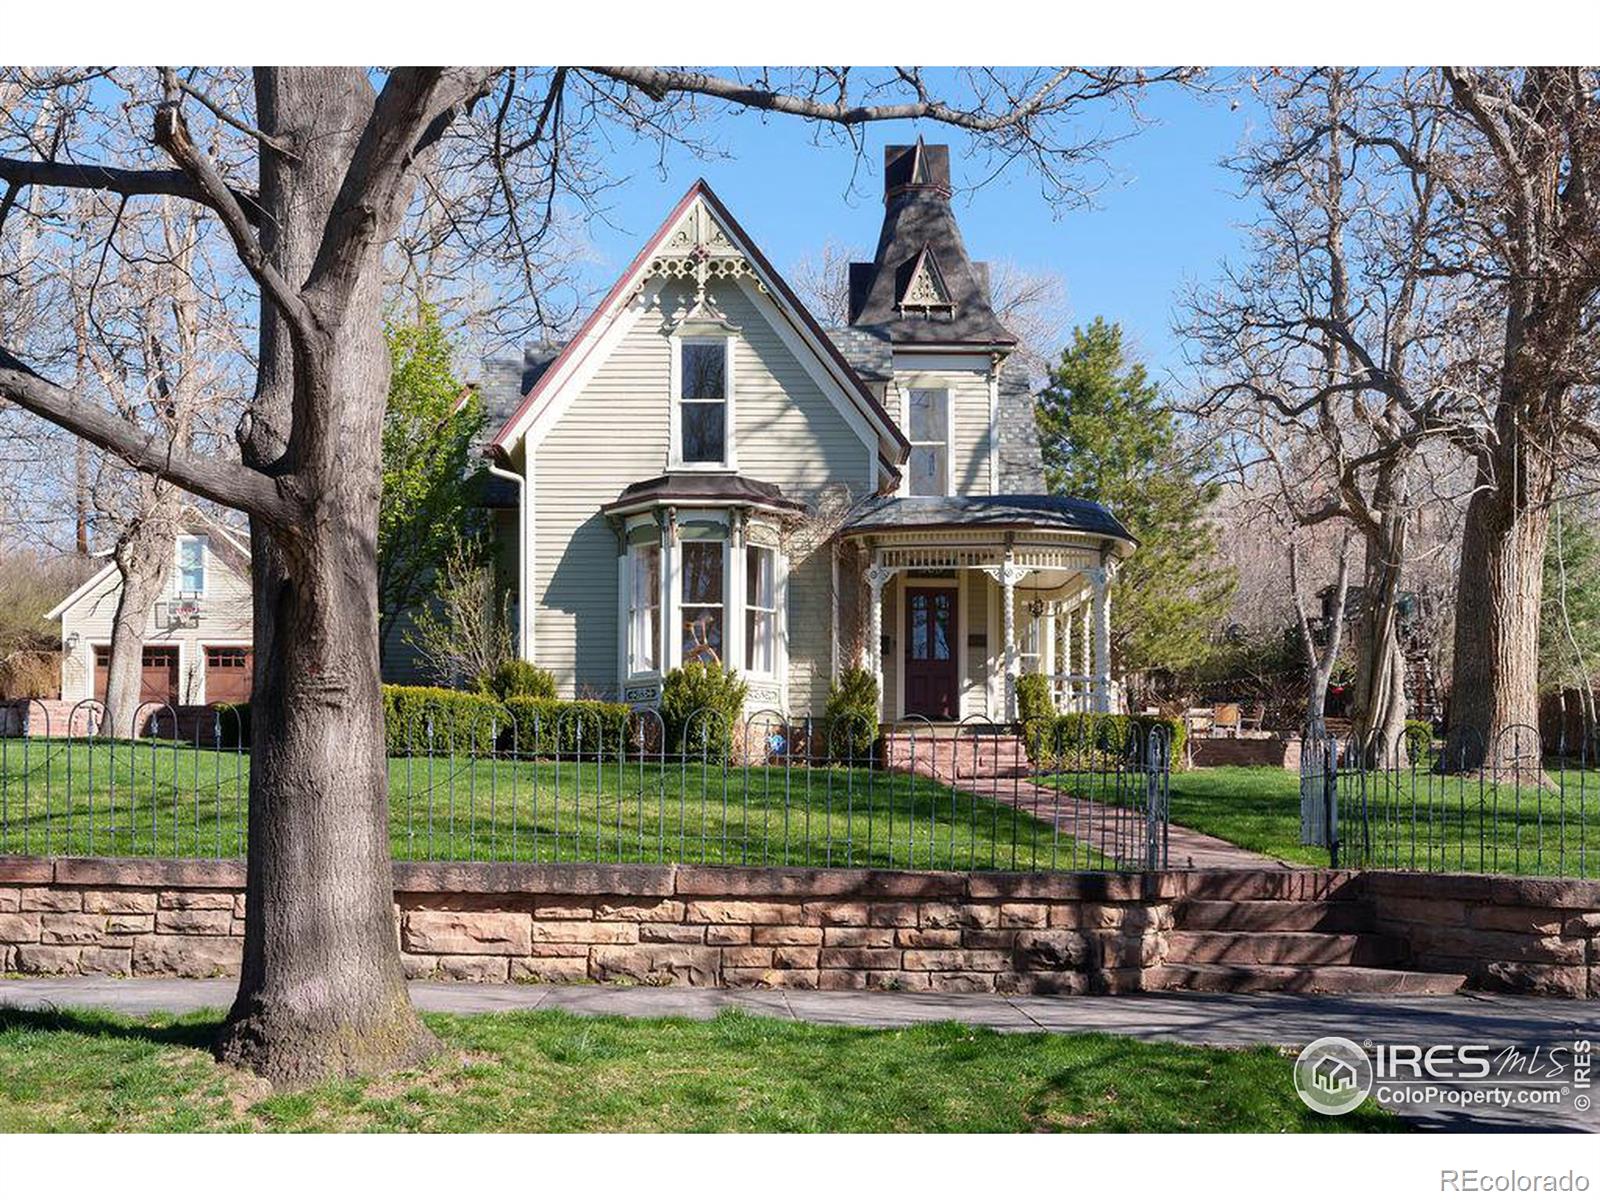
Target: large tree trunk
[[1379, 702], [321, 992], [1498, 595], [144, 561]]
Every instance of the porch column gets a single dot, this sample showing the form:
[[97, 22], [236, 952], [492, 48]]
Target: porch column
[[1047, 652], [1101, 579], [1085, 640], [877, 576], [1009, 575], [1064, 631]]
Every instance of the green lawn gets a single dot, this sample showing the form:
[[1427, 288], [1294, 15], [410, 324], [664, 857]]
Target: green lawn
[[159, 798], [548, 1071], [1413, 820]]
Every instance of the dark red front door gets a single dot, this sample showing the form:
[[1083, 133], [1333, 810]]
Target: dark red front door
[[932, 679]]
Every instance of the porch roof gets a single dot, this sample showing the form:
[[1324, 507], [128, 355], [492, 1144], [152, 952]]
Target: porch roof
[[702, 487], [1064, 514]]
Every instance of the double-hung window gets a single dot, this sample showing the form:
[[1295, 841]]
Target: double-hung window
[[703, 401], [761, 610], [928, 422], [701, 603], [192, 566], [644, 609]]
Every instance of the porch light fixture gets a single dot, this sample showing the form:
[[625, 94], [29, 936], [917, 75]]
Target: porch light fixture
[[1036, 608]]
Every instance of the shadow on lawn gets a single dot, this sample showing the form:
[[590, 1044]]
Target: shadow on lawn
[[186, 1031]]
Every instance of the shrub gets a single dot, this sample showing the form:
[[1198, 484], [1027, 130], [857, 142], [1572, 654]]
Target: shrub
[[1036, 713], [852, 712], [1094, 741], [700, 705], [232, 728], [517, 677], [1033, 698], [592, 728], [1418, 737], [420, 720]]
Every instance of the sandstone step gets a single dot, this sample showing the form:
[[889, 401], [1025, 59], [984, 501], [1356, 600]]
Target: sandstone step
[[1274, 916], [1324, 981], [1283, 949]]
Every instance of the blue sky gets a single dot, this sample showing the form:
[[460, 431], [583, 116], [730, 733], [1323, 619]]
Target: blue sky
[[1168, 215]]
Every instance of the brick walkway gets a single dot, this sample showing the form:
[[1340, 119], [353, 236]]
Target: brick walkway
[[1103, 826]]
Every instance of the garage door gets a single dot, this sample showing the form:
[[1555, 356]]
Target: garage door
[[227, 674], [158, 679]]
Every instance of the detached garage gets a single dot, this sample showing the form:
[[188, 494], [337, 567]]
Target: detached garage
[[197, 636]]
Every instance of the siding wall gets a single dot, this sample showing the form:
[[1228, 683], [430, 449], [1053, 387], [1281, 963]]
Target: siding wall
[[616, 432], [225, 620]]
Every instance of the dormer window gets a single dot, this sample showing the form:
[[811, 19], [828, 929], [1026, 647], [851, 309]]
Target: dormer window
[[702, 402]]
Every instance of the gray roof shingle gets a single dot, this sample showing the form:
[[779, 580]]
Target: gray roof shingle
[[1064, 513]]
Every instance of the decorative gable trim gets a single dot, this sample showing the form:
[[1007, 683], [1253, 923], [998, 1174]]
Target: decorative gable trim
[[699, 240]]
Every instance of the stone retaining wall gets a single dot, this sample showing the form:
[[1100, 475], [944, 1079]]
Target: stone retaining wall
[[1507, 934], [746, 927], [702, 926]]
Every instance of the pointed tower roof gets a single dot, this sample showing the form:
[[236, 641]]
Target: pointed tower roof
[[921, 287]]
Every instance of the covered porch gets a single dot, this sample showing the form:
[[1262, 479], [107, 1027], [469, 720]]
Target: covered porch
[[963, 595]]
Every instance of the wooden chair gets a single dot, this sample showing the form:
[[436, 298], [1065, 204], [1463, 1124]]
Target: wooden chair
[[1227, 720]]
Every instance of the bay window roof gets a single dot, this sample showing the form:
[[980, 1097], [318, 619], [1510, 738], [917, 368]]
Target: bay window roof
[[702, 487]]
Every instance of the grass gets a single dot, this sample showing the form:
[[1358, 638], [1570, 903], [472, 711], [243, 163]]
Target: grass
[[85, 1071], [1413, 819], [162, 798]]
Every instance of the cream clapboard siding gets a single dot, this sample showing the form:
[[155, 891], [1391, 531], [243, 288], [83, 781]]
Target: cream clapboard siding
[[225, 619], [786, 431], [967, 379]]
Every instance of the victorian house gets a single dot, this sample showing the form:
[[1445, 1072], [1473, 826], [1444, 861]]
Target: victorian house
[[705, 472]]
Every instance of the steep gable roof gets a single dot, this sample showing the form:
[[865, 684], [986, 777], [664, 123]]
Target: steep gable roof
[[547, 388]]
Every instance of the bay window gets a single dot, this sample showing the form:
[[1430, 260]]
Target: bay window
[[644, 609], [761, 610], [701, 602]]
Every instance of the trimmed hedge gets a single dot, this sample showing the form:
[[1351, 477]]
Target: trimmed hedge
[[1091, 740], [423, 720], [1033, 699], [1418, 737], [592, 728]]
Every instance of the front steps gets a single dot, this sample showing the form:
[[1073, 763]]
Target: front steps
[[1248, 935], [954, 754]]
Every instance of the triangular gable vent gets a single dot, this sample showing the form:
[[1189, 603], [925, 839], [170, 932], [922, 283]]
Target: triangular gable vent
[[925, 287]]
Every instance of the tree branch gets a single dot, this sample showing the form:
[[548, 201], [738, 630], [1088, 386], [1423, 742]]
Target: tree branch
[[227, 483], [21, 172]]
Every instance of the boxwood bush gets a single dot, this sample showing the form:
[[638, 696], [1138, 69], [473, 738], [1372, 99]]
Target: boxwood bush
[[592, 728], [850, 722], [516, 677], [1094, 741], [701, 703], [424, 720]]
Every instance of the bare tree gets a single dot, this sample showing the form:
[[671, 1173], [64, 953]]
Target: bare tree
[[1338, 362], [329, 165], [1324, 658]]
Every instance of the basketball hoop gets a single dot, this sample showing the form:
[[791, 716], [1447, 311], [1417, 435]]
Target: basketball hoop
[[186, 611]]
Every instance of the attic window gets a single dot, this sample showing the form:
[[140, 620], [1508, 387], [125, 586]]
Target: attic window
[[703, 402]]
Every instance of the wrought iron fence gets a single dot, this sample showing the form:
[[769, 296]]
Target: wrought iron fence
[[1509, 806], [593, 786]]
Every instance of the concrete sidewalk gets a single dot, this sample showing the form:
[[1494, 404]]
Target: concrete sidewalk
[[1201, 1019]]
